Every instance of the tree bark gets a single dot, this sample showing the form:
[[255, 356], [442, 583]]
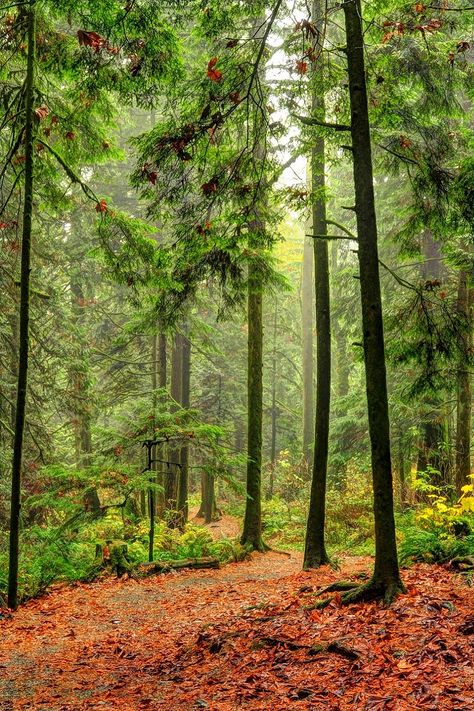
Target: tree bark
[[274, 413], [386, 580], [20, 412], [82, 398], [171, 487], [183, 482], [307, 300], [252, 531], [315, 550], [464, 388]]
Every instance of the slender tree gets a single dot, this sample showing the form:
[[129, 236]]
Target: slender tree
[[183, 481], [385, 581], [315, 550], [24, 309], [464, 387], [307, 300]]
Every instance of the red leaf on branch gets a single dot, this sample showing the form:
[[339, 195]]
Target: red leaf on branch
[[42, 111], [301, 66], [213, 73], [91, 39], [101, 206]]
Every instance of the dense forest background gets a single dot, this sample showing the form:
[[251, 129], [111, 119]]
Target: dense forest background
[[186, 231]]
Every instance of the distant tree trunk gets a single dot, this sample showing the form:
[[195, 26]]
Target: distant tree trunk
[[433, 451], [183, 483], [385, 580], [82, 399], [307, 300], [315, 550], [252, 531], [171, 488], [464, 388], [160, 450], [208, 509], [15, 507], [274, 413]]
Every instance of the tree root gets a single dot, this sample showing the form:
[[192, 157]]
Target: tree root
[[462, 563], [366, 592], [334, 647], [342, 585]]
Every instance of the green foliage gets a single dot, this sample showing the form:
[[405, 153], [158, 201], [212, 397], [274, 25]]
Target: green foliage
[[440, 531]]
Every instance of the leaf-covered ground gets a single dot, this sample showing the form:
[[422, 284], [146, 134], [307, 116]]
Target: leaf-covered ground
[[241, 637]]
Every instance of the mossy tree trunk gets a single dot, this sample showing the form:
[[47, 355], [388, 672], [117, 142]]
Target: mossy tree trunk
[[386, 580], [82, 393], [20, 412], [307, 301], [252, 531], [464, 387], [315, 550], [172, 476], [183, 479]]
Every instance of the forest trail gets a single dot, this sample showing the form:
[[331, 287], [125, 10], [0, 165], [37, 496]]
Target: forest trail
[[222, 640]]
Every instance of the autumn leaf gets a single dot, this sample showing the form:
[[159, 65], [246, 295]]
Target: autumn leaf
[[42, 111], [301, 66], [70, 135], [213, 73], [101, 206], [91, 39]]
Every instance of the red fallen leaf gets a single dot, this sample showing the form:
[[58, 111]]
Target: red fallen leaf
[[213, 73], [152, 177], [405, 142], [101, 206], [301, 66], [442, 294], [19, 160], [70, 135], [4, 225], [235, 97], [419, 7], [54, 120], [42, 111]]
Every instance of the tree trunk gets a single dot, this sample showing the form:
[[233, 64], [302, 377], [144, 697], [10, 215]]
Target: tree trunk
[[386, 580], [171, 488], [160, 450], [315, 550], [464, 389], [252, 531], [20, 412], [82, 397], [274, 413], [307, 300], [183, 482]]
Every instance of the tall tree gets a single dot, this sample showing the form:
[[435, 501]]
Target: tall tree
[[315, 550], [385, 581], [29, 92], [307, 301]]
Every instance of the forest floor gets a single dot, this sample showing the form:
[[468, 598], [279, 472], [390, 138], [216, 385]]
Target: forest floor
[[243, 636]]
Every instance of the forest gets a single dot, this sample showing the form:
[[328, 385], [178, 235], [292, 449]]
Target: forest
[[236, 257]]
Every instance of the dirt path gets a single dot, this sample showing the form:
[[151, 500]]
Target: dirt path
[[187, 640]]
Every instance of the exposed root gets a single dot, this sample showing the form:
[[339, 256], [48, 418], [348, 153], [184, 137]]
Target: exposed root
[[334, 647], [342, 585], [269, 549], [374, 591]]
